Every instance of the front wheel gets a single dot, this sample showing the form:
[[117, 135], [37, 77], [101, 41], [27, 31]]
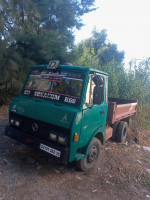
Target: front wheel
[[90, 161]]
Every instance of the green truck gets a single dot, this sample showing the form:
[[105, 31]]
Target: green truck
[[64, 111]]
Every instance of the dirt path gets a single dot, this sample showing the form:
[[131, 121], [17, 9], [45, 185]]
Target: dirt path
[[122, 173]]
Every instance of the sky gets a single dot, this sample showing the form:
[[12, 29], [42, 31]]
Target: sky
[[127, 23]]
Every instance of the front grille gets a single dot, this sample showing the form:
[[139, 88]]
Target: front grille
[[44, 129]]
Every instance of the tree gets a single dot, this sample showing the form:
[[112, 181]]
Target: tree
[[34, 32], [98, 53], [138, 81], [98, 48]]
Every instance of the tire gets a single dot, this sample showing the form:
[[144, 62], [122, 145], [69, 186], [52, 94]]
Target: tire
[[87, 163], [114, 135], [122, 132]]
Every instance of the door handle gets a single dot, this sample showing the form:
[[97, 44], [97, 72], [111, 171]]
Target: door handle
[[102, 112]]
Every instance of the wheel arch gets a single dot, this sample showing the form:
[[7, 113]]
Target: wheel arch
[[100, 135], [127, 119]]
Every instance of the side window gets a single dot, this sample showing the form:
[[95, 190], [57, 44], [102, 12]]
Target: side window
[[95, 90]]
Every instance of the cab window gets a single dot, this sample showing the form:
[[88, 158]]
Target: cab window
[[95, 90]]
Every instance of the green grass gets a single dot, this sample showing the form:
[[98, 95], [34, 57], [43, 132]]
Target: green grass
[[143, 118], [124, 186], [147, 181]]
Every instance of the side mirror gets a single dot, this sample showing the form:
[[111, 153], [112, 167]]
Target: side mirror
[[98, 95]]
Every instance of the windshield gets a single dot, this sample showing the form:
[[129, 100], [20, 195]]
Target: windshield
[[61, 86]]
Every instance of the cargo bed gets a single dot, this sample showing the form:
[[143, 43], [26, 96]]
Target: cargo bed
[[119, 109]]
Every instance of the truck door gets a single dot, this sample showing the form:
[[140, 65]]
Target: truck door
[[95, 113]]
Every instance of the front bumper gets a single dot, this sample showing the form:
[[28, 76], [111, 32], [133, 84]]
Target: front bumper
[[59, 153]]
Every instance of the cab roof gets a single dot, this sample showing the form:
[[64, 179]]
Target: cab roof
[[80, 68]]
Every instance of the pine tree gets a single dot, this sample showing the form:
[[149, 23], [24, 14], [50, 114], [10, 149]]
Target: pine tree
[[34, 32]]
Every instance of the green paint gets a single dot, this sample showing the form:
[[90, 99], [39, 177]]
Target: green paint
[[87, 121]]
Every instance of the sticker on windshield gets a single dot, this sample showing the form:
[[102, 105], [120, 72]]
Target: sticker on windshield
[[51, 78], [27, 92], [70, 100], [63, 86], [46, 95]]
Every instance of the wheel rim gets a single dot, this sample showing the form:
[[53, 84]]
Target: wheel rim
[[125, 132], [92, 154], [124, 135]]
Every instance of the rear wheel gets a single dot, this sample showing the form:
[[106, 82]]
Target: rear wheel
[[115, 125], [122, 132], [90, 161]]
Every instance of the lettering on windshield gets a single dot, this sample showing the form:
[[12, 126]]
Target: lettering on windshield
[[70, 100], [46, 95], [51, 78]]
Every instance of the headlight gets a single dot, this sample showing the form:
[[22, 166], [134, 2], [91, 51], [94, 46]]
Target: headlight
[[62, 140], [53, 137], [12, 121], [17, 123]]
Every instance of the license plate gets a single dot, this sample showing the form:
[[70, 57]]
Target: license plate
[[50, 150]]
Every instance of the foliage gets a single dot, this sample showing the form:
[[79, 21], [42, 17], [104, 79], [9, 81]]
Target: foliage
[[138, 81], [35, 36], [97, 49], [143, 117], [98, 53], [34, 32]]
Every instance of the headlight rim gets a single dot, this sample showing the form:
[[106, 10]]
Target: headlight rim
[[62, 137], [18, 123], [54, 134]]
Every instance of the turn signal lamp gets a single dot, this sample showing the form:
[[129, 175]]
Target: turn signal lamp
[[76, 137]]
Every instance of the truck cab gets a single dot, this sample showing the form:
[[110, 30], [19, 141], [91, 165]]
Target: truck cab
[[60, 110]]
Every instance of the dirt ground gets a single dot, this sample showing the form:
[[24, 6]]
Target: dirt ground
[[123, 171]]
